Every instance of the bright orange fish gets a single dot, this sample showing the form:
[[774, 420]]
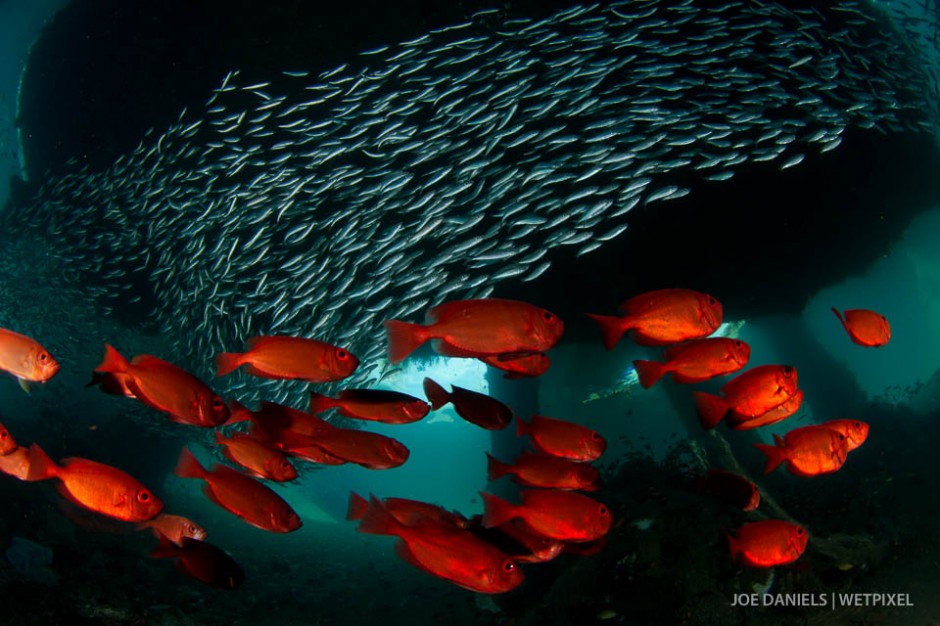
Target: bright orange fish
[[729, 487], [750, 394], [408, 512], [477, 408], [370, 450], [7, 443], [562, 438], [768, 543], [241, 495], [290, 358], [25, 358], [866, 328], [165, 387], [662, 317], [202, 561], [696, 361], [16, 463], [174, 528], [96, 486], [477, 328], [378, 405], [737, 421], [562, 515], [809, 451], [445, 551], [542, 470], [519, 365], [260, 460], [855, 431]]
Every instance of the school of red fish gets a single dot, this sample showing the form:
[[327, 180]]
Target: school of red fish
[[481, 553]]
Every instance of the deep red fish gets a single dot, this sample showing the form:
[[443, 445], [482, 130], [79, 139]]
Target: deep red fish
[[543, 470], [808, 451], [750, 394], [270, 419], [7, 443], [290, 358], [370, 450], [445, 551], [662, 317], [737, 421], [855, 431], [259, 459], [562, 438], [241, 495], [25, 358], [768, 543], [478, 328], [202, 561], [174, 528], [378, 405], [866, 328], [165, 387], [562, 515], [475, 407], [519, 365], [408, 512], [729, 487], [696, 361], [96, 486]]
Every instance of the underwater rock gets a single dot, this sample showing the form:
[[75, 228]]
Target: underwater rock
[[31, 561]]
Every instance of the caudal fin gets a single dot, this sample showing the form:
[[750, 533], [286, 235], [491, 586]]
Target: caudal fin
[[320, 403], [41, 467], [113, 361], [838, 315], [377, 520], [403, 339], [495, 468], [165, 549], [496, 511], [774, 456], [188, 466], [611, 327], [522, 428], [357, 506], [238, 412], [227, 362], [436, 394], [711, 409], [649, 372]]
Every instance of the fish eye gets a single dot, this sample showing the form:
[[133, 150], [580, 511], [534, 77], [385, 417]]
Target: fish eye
[[799, 532], [547, 316], [595, 436], [217, 403], [43, 356], [509, 567], [342, 355], [711, 301], [143, 496], [738, 344], [4, 434], [285, 464], [841, 437], [787, 370], [192, 529], [602, 510]]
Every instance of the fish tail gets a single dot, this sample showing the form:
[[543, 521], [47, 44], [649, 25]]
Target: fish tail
[[188, 466], [774, 456], [403, 339], [377, 520], [649, 372], [227, 362], [611, 327], [711, 409], [357, 506], [732, 544], [238, 412], [41, 467], [113, 361], [496, 511], [436, 394], [320, 403], [219, 438], [522, 428], [838, 315], [495, 468], [165, 549]]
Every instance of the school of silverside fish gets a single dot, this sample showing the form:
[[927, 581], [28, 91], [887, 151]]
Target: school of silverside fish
[[437, 168], [481, 553]]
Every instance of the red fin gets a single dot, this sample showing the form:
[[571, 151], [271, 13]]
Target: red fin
[[41, 466], [377, 520], [495, 468], [522, 428], [649, 372], [113, 362], [496, 511], [711, 408], [403, 339], [611, 327], [839, 316], [189, 467], [227, 362], [238, 411], [165, 549], [436, 394], [320, 403], [774, 456], [357, 506]]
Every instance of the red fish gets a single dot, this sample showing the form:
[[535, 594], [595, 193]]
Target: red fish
[[809, 451], [478, 328], [202, 561], [562, 515], [270, 419], [241, 495], [447, 552], [25, 358], [750, 394], [516, 541], [729, 487], [768, 543], [562, 438], [7, 443], [866, 328], [379, 405], [542, 470], [16, 463], [96, 486], [663, 317], [290, 358], [737, 421], [696, 361], [165, 387], [370, 450], [260, 460], [519, 365], [855, 431], [475, 407], [408, 512], [174, 528]]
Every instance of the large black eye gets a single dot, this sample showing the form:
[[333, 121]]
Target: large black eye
[[712, 301], [217, 403], [509, 567], [602, 510], [799, 532], [143, 496], [738, 344], [285, 464], [787, 370], [841, 437], [192, 529], [595, 436], [43, 356], [342, 355], [858, 424]]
